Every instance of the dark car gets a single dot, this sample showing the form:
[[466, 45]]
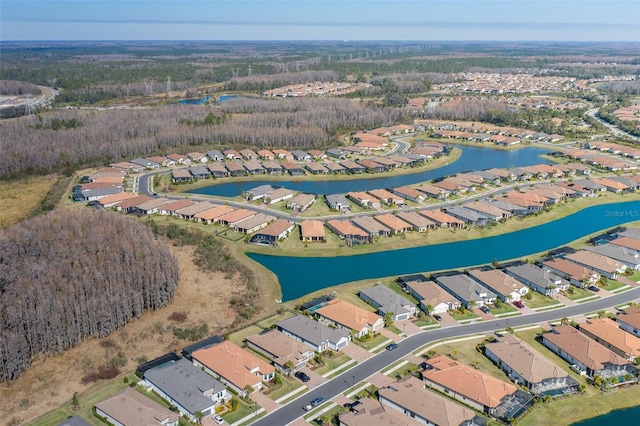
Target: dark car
[[594, 288], [392, 346], [302, 376], [437, 317], [484, 309], [313, 404], [518, 304]]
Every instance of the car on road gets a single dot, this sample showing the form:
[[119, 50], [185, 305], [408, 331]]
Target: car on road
[[302, 376], [518, 304], [313, 404], [594, 288], [392, 346], [219, 420], [484, 309], [437, 317]]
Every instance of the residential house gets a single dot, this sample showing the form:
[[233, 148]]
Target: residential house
[[475, 388], [352, 166], [316, 154], [529, 368], [301, 202], [211, 215], [388, 302], [337, 202], [469, 216], [189, 212], [278, 195], [434, 192], [287, 353], [215, 155], [433, 298], [314, 334], [95, 194], [507, 288], [532, 202], [312, 231], [371, 226], [493, 213], [232, 154], [363, 199], [248, 154], [199, 172], [171, 208], [128, 205], [265, 154], [232, 218], [179, 159], [272, 167], [608, 333], [372, 166], [146, 163], [252, 223], [540, 280], [276, 231], [514, 209], [394, 223], [181, 175], [603, 265], [387, 197], [300, 155], [236, 367], [336, 153], [346, 230], [316, 168], [130, 407], [187, 387], [218, 170], [442, 219], [344, 315], [197, 157], [467, 290], [258, 193], [410, 398], [283, 154], [612, 185], [150, 207], [627, 257], [334, 167], [235, 168], [409, 193], [578, 275], [586, 356], [127, 167], [292, 168], [417, 221], [113, 199], [629, 320], [632, 244], [162, 161], [371, 412], [254, 167]]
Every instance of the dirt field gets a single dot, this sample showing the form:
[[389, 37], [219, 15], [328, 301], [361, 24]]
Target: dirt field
[[48, 383]]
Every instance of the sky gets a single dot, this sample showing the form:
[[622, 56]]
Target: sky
[[512, 20]]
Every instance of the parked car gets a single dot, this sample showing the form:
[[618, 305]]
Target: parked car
[[313, 404], [437, 317], [392, 346], [484, 309], [302, 376], [518, 304], [594, 288], [216, 418]]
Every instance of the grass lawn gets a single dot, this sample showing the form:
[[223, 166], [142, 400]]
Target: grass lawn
[[612, 285], [538, 300], [466, 316], [393, 285], [19, 197], [239, 336], [575, 293], [243, 411], [331, 363], [370, 344], [395, 329], [503, 309], [329, 415], [95, 394], [289, 384], [635, 277], [403, 371]]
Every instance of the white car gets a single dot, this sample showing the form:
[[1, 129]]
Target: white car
[[216, 418]]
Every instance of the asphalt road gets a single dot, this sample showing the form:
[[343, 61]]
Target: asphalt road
[[614, 129], [363, 370]]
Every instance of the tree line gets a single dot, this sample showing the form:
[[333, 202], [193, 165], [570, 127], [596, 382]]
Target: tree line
[[14, 87], [72, 274]]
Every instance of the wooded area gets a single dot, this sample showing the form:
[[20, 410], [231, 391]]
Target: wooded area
[[13, 87], [69, 275]]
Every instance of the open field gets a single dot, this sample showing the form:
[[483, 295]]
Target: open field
[[20, 197]]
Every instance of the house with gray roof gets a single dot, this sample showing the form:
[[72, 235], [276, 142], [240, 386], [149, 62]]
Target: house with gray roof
[[621, 254], [215, 155], [539, 279], [371, 226], [258, 193], [514, 209], [336, 153], [314, 334], [95, 194], [147, 164], [200, 172], [469, 216], [300, 155], [187, 387], [467, 290], [387, 301], [338, 202]]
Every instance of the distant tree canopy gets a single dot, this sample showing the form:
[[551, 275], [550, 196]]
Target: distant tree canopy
[[13, 87], [69, 275]]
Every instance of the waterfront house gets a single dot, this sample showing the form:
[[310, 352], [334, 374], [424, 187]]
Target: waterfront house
[[346, 230], [218, 170], [292, 168], [603, 265], [409, 193], [254, 167], [433, 298], [578, 275], [467, 290], [272, 167], [388, 302], [301, 202], [371, 226], [417, 221], [623, 255], [608, 333], [316, 168], [338, 202], [493, 213], [442, 219], [334, 167], [341, 314], [507, 288], [469, 216], [387, 197], [278, 195], [394, 223], [314, 334], [258, 192], [232, 218], [312, 231], [200, 172], [252, 223], [181, 175], [364, 200], [235, 168], [352, 166], [275, 231]]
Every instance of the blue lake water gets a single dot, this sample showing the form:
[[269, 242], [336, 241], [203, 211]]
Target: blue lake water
[[628, 416], [199, 101], [472, 158], [302, 275]]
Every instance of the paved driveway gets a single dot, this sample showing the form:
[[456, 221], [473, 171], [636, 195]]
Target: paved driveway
[[356, 352]]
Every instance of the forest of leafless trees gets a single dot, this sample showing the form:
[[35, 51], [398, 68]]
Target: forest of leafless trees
[[13, 87], [33, 145], [69, 275], [466, 110]]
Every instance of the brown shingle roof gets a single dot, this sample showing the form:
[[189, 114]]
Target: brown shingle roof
[[348, 315]]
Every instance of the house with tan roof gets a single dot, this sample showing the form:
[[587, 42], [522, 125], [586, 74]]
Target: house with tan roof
[[629, 243], [603, 265], [410, 398], [529, 368], [278, 195], [272, 167], [236, 367], [585, 355], [371, 412], [434, 192], [292, 168], [232, 154], [612, 185], [577, 274], [409, 193], [181, 175], [190, 211], [249, 154], [608, 333], [275, 231], [492, 212], [151, 206], [113, 199], [211, 215], [629, 320], [363, 199], [254, 167], [265, 154], [312, 231], [197, 157], [433, 298], [218, 170], [627, 257], [394, 223], [283, 154], [475, 388], [282, 349], [507, 288], [252, 223], [301, 202], [417, 221], [371, 226], [442, 219], [172, 207], [387, 197], [235, 168], [316, 168], [372, 166], [346, 316], [348, 231], [334, 167], [232, 218], [130, 407], [129, 204]]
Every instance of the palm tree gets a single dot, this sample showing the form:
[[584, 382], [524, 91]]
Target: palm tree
[[472, 304], [199, 415], [564, 321]]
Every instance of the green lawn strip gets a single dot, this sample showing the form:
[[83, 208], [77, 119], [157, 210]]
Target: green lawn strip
[[403, 371], [339, 371], [330, 414], [312, 413], [243, 411], [289, 384], [538, 300], [357, 385], [331, 363], [550, 308], [270, 321], [612, 285], [393, 285], [575, 293], [503, 309], [635, 276], [395, 329], [370, 344], [390, 366], [98, 392], [468, 315], [239, 336], [292, 397]]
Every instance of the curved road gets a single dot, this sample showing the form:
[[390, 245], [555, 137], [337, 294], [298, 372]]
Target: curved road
[[330, 389], [593, 113]]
